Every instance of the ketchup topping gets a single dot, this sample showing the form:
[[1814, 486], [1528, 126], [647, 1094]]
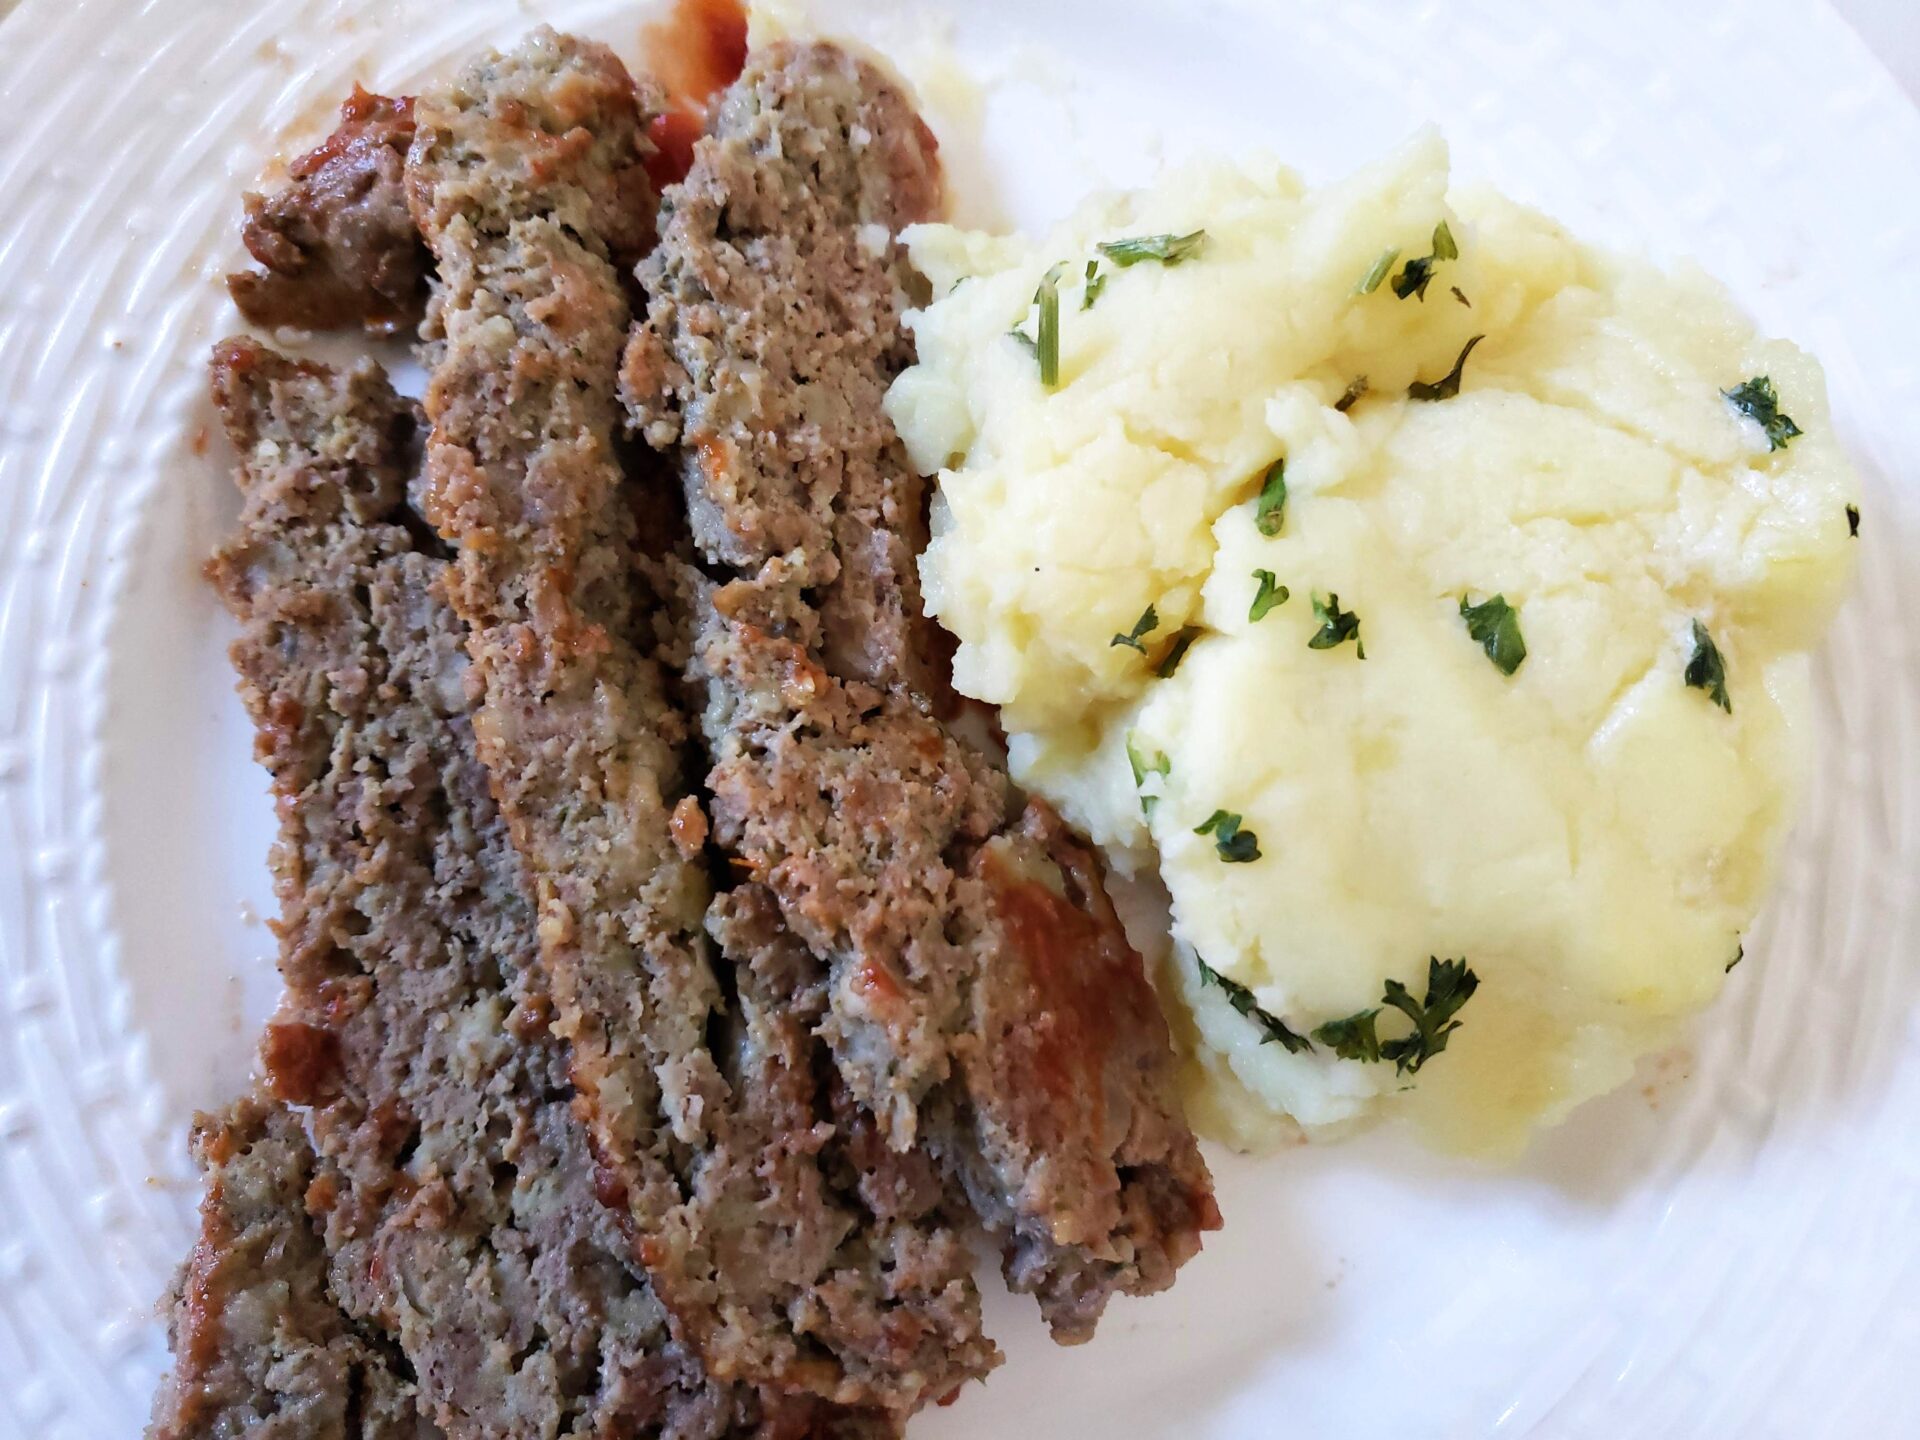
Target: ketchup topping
[[696, 52]]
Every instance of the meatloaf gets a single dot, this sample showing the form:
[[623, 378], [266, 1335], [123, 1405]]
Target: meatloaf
[[451, 1185], [984, 1001], [336, 245], [784, 1260], [263, 1349]]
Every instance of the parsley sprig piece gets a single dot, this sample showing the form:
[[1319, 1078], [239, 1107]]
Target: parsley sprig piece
[[1267, 596], [1494, 625], [1416, 275], [1148, 622], [1047, 345], [1236, 846], [1144, 769], [1707, 668], [1370, 281], [1758, 401], [1183, 639], [1450, 984], [1095, 283], [1273, 1030], [1166, 249], [1448, 385], [1270, 511], [1336, 625]]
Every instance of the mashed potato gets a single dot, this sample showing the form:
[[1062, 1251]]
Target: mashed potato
[[1589, 834]]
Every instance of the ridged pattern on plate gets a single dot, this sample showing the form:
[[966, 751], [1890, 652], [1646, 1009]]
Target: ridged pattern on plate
[[1742, 1262]]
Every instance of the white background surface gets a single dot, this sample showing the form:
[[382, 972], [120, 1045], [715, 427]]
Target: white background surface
[[1730, 1249]]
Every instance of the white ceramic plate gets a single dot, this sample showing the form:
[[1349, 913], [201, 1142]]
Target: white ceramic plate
[[1729, 1248]]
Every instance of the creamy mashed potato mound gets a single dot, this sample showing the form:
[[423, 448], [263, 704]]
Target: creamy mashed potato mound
[[1591, 833]]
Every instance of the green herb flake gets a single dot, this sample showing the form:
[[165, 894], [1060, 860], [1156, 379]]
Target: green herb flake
[[1176, 652], [1354, 1038], [1166, 249], [1350, 396], [1336, 625], [1096, 282], [1707, 668], [1461, 296], [1236, 846], [1449, 385], [1739, 954], [1047, 346], [1853, 522], [1273, 1030], [1416, 275], [1144, 769], [1270, 512], [1494, 625], [1757, 400], [1267, 596], [1450, 984], [1148, 622], [1370, 281]]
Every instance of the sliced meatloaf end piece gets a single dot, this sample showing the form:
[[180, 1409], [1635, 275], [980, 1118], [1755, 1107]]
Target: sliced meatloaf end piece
[[454, 1189], [897, 851], [336, 245], [707, 1149], [261, 1346]]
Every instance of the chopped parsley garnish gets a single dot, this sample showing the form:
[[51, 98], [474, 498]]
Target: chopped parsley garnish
[[1495, 626], [1370, 281], [1336, 625], [1739, 954], [1448, 386], [1236, 846], [1166, 249], [1047, 346], [1707, 668], [1853, 521], [1353, 1038], [1461, 296], [1757, 400], [1148, 622], [1096, 282], [1415, 275], [1241, 999], [1356, 387], [1450, 984], [1143, 769], [1267, 596], [1270, 513], [1176, 652]]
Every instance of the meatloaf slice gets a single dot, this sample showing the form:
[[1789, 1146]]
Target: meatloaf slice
[[453, 1187], [336, 245], [700, 1093], [984, 1000], [262, 1347]]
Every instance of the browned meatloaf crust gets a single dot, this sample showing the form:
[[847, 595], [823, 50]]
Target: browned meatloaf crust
[[262, 1347], [984, 999], [336, 245], [453, 1188], [783, 1259]]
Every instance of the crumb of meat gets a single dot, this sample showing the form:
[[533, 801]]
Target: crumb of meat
[[984, 1002], [336, 245], [522, 175]]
